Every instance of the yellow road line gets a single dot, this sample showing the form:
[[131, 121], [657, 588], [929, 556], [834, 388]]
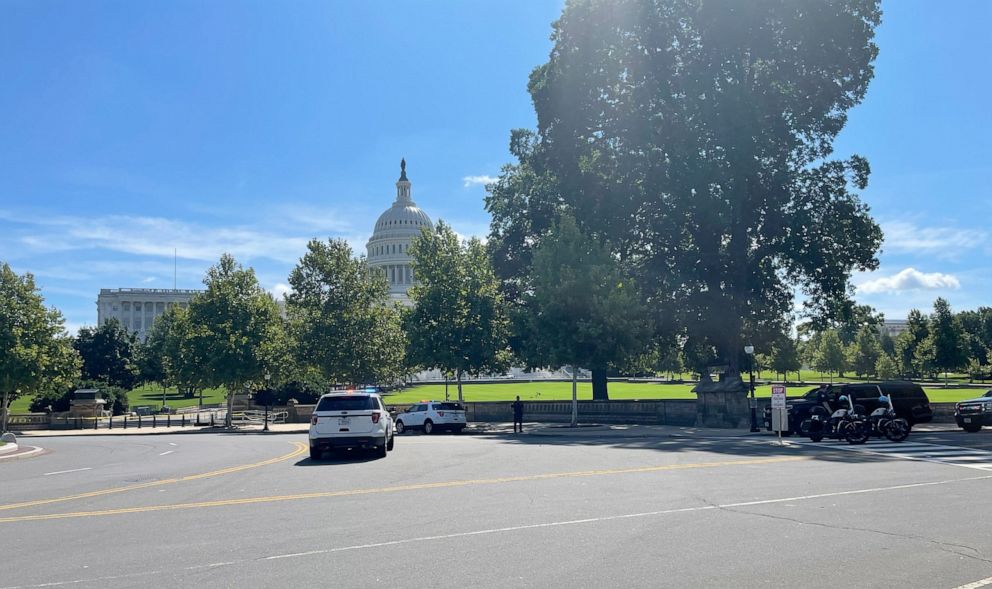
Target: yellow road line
[[301, 448], [416, 487]]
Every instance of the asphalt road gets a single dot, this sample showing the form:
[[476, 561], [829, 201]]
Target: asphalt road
[[231, 510]]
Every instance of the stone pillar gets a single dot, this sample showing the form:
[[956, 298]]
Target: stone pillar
[[722, 404]]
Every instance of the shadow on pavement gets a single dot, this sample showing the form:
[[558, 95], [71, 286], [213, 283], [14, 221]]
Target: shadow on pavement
[[339, 457], [759, 446]]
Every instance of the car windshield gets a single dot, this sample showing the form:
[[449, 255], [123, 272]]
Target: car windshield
[[345, 403]]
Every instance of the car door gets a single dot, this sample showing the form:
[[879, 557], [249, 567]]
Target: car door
[[415, 418]]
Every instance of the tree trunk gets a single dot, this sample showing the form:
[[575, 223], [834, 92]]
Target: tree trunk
[[599, 391], [575, 398], [458, 375], [4, 409], [230, 408]]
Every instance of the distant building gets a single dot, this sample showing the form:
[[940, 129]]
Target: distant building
[[894, 327], [389, 246], [137, 308]]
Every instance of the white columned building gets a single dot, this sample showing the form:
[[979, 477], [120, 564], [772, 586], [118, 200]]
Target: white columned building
[[389, 246], [137, 308]]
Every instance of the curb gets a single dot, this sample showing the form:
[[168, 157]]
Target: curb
[[8, 448], [34, 451]]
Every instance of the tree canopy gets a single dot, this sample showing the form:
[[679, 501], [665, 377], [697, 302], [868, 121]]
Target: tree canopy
[[344, 325], [236, 329], [109, 353], [579, 307], [694, 137], [35, 352], [459, 322]]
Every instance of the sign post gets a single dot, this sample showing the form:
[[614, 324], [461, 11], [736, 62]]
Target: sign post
[[780, 416]]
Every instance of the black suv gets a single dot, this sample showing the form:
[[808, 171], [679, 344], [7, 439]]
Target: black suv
[[972, 414], [909, 400]]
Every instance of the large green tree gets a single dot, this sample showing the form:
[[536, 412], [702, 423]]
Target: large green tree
[[977, 325], [864, 351], [949, 339], [35, 353], [785, 356], [343, 323], [109, 353], [168, 355], [830, 357], [694, 136], [579, 307], [909, 341], [459, 322], [237, 331]]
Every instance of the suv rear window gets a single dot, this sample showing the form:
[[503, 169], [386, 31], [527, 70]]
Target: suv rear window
[[349, 403], [448, 407]]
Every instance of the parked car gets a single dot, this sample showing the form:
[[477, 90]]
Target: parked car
[[432, 415], [909, 400], [350, 419], [972, 414]]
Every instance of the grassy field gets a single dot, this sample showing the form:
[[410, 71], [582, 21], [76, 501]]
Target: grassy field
[[559, 391], [151, 395]]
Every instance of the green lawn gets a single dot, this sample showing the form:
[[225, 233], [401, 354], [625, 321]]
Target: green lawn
[[151, 395], [558, 391]]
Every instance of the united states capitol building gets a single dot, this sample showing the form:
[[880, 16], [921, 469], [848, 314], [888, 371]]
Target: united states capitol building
[[388, 249], [389, 246], [136, 309]]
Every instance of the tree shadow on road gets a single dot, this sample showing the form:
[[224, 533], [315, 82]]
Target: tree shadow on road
[[761, 446]]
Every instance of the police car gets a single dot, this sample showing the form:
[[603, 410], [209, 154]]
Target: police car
[[432, 415], [351, 419]]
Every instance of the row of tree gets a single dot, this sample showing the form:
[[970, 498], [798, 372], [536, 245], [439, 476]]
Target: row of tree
[[942, 342]]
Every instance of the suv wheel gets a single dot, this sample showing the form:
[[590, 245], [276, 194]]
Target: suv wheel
[[381, 451], [399, 427], [314, 453], [392, 442], [972, 428], [428, 427]]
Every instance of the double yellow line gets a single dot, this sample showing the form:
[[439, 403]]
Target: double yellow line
[[397, 489], [301, 448]]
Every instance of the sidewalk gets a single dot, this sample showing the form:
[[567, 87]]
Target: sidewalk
[[475, 428]]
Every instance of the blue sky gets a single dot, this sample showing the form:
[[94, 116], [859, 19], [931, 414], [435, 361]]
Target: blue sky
[[129, 129]]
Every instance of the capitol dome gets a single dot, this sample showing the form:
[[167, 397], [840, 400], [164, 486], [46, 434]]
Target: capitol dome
[[394, 231]]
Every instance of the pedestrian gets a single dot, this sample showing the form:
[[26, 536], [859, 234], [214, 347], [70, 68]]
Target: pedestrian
[[518, 415]]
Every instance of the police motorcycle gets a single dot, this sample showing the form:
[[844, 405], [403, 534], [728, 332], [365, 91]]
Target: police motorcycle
[[885, 422], [845, 423]]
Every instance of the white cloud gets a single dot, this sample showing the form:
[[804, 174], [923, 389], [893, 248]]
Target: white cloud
[[156, 236], [910, 279], [280, 290], [941, 242], [148, 280], [469, 181]]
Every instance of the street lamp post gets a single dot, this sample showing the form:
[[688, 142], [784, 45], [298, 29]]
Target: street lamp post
[[749, 350], [268, 400]]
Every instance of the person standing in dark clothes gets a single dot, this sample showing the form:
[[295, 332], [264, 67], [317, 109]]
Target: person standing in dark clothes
[[518, 415]]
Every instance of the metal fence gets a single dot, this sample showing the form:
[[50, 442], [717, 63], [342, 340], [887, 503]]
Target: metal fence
[[40, 421]]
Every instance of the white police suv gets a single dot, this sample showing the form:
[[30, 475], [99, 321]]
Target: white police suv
[[432, 415], [350, 419]]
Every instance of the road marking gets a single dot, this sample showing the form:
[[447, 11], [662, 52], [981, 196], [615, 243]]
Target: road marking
[[401, 488], [173, 444], [976, 584], [508, 529], [167, 453], [65, 471], [974, 458], [301, 448]]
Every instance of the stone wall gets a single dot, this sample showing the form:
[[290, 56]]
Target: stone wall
[[680, 412]]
